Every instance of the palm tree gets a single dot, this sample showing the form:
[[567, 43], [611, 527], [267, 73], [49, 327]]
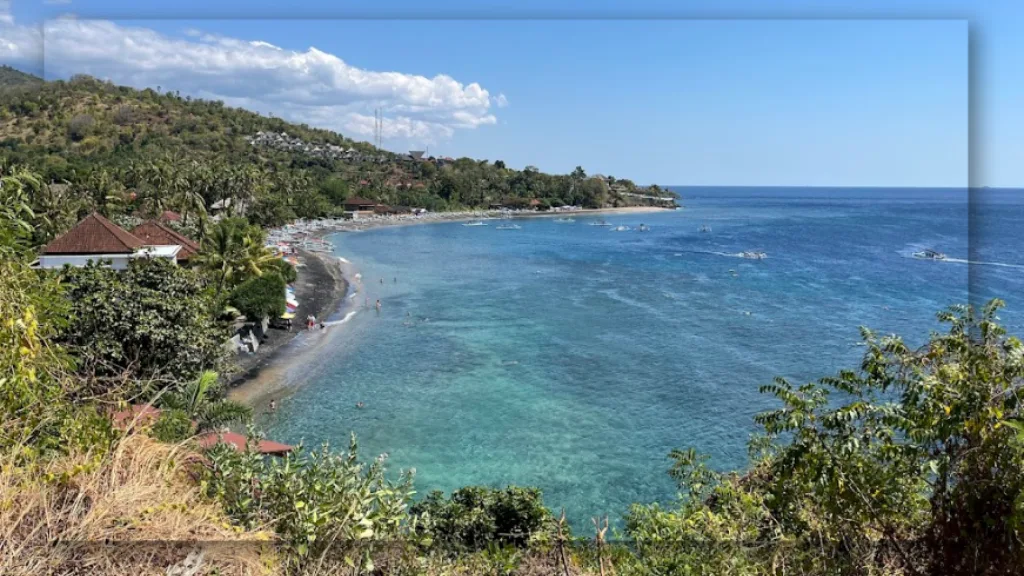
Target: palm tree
[[201, 401], [233, 251]]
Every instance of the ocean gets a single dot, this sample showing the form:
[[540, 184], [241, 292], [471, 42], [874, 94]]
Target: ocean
[[575, 358]]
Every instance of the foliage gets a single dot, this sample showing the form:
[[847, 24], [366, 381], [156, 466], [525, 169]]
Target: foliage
[[912, 465], [233, 252], [284, 269], [319, 503], [202, 400], [149, 322], [123, 150], [260, 297], [173, 426], [476, 516]]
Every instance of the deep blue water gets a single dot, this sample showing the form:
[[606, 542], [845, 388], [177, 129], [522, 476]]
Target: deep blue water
[[574, 358]]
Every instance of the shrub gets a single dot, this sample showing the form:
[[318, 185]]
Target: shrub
[[173, 426], [476, 516], [260, 297], [320, 504], [80, 127]]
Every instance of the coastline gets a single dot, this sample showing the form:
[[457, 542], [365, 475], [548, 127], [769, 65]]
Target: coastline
[[331, 285]]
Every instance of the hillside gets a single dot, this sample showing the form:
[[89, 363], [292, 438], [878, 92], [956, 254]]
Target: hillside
[[112, 141], [11, 77]]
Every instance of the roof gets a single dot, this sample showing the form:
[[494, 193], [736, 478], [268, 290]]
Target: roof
[[360, 201], [141, 415], [157, 234], [94, 235], [237, 441], [169, 216]]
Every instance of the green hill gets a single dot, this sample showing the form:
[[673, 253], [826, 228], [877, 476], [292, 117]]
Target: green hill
[[11, 77], [113, 140]]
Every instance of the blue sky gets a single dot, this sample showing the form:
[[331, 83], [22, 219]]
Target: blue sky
[[878, 101]]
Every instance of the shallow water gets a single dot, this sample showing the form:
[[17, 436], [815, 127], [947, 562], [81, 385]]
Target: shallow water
[[575, 358]]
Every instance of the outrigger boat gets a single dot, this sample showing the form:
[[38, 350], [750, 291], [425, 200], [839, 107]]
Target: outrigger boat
[[928, 254], [564, 220], [509, 227], [753, 255], [600, 223], [477, 223]]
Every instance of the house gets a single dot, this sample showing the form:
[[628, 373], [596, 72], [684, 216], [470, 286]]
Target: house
[[154, 233], [94, 239], [357, 204]]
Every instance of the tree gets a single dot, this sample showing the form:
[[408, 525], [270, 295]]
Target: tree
[[913, 464], [203, 401], [260, 297], [150, 322], [233, 252]]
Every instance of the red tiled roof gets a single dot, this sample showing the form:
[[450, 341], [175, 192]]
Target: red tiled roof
[[170, 216], [156, 234], [137, 415], [94, 235], [237, 441]]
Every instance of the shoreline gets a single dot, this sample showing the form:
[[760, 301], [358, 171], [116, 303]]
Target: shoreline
[[264, 376]]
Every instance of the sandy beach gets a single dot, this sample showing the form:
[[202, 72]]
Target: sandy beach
[[329, 287]]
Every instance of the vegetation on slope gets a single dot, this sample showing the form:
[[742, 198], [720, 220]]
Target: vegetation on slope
[[125, 151]]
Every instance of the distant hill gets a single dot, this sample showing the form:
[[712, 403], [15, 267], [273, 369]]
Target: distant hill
[[11, 77], [101, 137]]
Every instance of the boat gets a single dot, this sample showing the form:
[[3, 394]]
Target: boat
[[477, 223], [600, 223], [644, 228], [705, 228], [753, 255], [929, 254], [620, 229], [509, 227], [564, 220]]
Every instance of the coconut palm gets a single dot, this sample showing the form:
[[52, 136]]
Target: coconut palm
[[233, 252], [201, 401]]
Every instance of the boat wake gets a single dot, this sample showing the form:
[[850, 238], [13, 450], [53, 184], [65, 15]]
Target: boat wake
[[978, 263]]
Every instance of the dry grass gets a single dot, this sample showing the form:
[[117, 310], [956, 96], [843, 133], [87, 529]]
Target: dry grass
[[133, 511]]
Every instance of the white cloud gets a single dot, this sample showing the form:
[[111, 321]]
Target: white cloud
[[5, 13], [309, 86]]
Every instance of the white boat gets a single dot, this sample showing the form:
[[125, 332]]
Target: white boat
[[477, 223], [509, 227], [644, 228], [564, 220], [928, 254], [600, 223], [620, 229], [705, 228], [753, 255]]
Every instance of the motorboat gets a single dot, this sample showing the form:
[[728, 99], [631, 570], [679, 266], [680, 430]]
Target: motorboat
[[509, 227], [564, 220], [600, 223], [620, 229], [477, 223], [705, 228], [753, 255], [644, 228], [929, 254]]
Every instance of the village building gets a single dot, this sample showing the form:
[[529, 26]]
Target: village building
[[97, 239], [153, 232]]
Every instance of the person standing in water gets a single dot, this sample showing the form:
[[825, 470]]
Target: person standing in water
[[273, 406], [378, 306]]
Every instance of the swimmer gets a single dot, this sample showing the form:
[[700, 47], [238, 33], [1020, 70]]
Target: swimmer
[[360, 404]]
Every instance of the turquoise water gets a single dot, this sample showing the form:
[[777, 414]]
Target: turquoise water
[[574, 358]]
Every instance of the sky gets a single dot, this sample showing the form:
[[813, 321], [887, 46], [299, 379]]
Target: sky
[[734, 92]]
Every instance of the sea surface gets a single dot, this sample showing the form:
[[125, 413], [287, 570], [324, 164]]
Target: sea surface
[[574, 358]]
